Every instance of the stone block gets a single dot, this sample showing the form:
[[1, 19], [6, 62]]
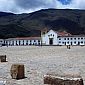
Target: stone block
[[2, 58], [17, 71], [63, 80]]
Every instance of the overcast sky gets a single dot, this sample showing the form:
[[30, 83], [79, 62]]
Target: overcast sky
[[26, 6]]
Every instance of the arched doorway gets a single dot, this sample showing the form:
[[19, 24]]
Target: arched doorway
[[50, 41], [78, 43]]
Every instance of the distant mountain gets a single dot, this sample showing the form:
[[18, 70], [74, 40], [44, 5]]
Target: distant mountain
[[22, 25], [5, 14]]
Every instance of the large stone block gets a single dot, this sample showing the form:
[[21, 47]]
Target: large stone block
[[17, 71], [2, 58], [63, 80]]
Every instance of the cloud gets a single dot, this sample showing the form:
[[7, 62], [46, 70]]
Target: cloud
[[25, 6], [65, 2], [32, 4], [77, 4], [35, 4], [74, 4], [6, 5]]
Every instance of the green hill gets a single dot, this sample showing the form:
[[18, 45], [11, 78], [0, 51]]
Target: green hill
[[21, 25]]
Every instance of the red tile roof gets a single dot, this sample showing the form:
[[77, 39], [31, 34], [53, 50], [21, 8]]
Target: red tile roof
[[64, 33], [74, 36], [26, 38]]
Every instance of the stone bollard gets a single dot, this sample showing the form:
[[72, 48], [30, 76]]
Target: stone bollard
[[62, 80], [69, 47], [2, 58], [17, 71]]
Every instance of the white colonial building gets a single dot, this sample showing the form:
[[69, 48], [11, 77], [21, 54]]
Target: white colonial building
[[1, 42], [61, 38], [47, 38], [22, 41]]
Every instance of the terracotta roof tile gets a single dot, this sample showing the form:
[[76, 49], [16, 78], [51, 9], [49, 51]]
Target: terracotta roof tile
[[63, 33], [26, 38]]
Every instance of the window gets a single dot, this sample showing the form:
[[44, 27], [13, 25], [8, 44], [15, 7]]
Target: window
[[12, 42], [59, 38], [78, 38], [19, 42], [16, 43], [74, 38], [71, 43], [81, 41], [67, 38], [64, 38], [23, 41], [6, 42], [43, 33], [81, 38], [38, 40], [48, 35], [63, 42], [30, 41], [68, 42], [26, 41], [59, 42], [71, 38], [75, 42]]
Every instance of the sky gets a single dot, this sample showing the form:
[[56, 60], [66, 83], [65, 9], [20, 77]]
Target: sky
[[27, 6]]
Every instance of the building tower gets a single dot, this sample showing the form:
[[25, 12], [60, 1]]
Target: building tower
[[43, 32]]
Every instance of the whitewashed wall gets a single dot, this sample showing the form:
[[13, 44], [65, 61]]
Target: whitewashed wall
[[74, 40], [1, 42], [50, 34], [71, 41], [16, 42]]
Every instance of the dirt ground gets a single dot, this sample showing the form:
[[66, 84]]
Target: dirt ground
[[39, 61]]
